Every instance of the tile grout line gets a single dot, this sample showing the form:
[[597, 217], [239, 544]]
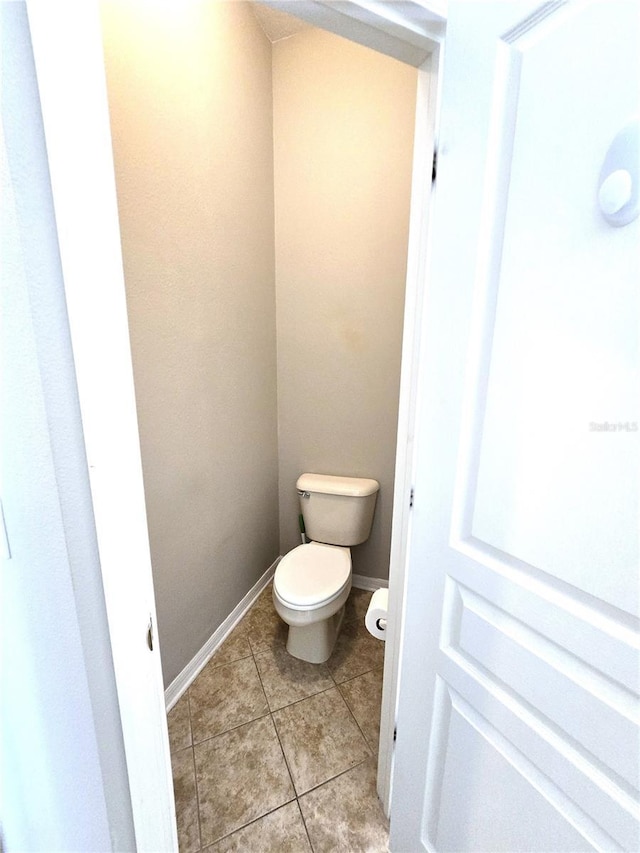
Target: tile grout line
[[304, 698], [337, 776], [252, 655], [284, 756], [293, 785], [304, 823], [359, 727], [232, 729], [251, 822], [335, 686], [275, 728], [366, 739], [195, 772], [353, 677]]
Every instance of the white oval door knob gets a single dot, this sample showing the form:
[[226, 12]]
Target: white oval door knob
[[615, 191], [619, 180]]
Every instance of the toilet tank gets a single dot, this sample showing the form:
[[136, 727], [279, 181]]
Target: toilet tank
[[337, 510]]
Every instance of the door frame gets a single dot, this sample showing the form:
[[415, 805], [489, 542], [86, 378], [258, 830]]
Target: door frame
[[68, 55], [67, 47], [425, 146]]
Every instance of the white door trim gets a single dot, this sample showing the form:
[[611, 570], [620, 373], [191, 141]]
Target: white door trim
[[408, 33], [67, 46], [421, 194], [68, 54]]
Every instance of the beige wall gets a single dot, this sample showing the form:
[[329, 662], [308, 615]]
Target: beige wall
[[190, 99], [343, 133]]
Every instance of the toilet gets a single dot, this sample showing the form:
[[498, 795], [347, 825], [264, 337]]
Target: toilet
[[312, 583]]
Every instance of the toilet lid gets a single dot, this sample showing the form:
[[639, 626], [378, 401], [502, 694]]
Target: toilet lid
[[312, 575]]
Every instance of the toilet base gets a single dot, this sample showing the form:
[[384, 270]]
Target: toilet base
[[315, 642]]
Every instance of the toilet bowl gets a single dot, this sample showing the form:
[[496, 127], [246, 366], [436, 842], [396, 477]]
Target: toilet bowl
[[310, 588], [313, 581]]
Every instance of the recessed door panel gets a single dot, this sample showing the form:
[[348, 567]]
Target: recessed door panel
[[555, 487]]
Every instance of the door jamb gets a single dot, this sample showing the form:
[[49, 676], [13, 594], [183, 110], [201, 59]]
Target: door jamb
[[67, 48], [425, 146], [110, 422]]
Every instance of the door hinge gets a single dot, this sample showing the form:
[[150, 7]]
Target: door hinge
[[411, 499], [150, 634], [434, 169], [395, 734]]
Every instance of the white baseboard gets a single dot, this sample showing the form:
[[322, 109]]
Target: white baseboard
[[182, 681], [364, 582]]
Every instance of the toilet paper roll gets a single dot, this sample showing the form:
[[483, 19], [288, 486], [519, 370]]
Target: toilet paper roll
[[375, 619]]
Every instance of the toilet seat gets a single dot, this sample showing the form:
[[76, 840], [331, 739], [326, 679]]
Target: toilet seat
[[312, 575]]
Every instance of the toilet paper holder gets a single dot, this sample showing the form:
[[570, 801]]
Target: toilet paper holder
[[376, 617]]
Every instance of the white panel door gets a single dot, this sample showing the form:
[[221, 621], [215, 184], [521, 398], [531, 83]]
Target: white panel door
[[519, 721]]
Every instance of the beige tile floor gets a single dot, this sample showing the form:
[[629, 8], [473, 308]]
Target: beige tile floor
[[273, 754]]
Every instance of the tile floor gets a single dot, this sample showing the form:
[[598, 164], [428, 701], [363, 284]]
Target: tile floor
[[273, 754]]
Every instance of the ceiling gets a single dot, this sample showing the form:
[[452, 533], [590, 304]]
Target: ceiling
[[277, 25]]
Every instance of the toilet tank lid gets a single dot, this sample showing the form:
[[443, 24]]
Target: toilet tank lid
[[326, 484]]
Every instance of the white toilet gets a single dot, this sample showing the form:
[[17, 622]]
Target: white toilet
[[312, 582]]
